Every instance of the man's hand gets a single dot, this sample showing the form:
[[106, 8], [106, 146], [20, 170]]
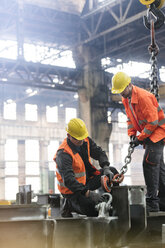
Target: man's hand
[[134, 141], [108, 172], [87, 193]]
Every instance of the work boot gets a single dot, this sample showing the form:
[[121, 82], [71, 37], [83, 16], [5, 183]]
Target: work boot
[[66, 209], [152, 207]]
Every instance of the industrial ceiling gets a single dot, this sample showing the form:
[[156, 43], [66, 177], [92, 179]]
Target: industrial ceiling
[[113, 27]]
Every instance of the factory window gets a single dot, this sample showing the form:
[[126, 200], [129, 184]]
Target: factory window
[[34, 182], [52, 114], [52, 148], [31, 112], [11, 157], [11, 188], [55, 186], [8, 49], [70, 113], [32, 157], [9, 110], [122, 120]]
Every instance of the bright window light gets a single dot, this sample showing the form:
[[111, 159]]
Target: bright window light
[[11, 188], [8, 49], [11, 168], [32, 168], [28, 91], [55, 186], [52, 114], [70, 113], [105, 62], [49, 56], [109, 116], [76, 96], [31, 150], [133, 69], [37, 53], [9, 111], [11, 150], [32, 157], [31, 112], [52, 148], [34, 182], [11, 157], [162, 73], [122, 120]]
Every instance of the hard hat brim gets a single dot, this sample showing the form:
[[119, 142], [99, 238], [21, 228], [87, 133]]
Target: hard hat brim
[[77, 137], [113, 91]]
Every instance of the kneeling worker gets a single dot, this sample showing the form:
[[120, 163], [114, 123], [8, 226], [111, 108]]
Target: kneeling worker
[[77, 177]]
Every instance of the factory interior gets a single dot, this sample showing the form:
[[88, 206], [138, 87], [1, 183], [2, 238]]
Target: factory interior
[[57, 60]]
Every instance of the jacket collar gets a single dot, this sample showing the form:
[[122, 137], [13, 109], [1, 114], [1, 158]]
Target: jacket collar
[[75, 149], [134, 97]]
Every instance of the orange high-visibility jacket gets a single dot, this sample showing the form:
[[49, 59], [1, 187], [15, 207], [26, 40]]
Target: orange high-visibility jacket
[[144, 115], [77, 165]]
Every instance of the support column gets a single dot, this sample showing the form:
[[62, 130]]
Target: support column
[[93, 96], [44, 165], [2, 169]]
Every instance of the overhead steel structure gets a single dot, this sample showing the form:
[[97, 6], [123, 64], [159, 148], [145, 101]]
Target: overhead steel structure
[[114, 28]]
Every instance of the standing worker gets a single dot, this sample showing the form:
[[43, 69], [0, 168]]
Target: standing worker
[[77, 177], [145, 116]]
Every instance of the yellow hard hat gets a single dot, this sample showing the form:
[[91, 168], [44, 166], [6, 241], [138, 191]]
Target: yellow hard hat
[[119, 82], [146, 2], [77, 129]]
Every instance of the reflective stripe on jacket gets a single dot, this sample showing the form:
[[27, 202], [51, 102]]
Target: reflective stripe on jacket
[[77, 165], [144, 115]]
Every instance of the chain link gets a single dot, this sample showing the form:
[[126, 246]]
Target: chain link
[[154, 86], [154, 49], [127, 160]]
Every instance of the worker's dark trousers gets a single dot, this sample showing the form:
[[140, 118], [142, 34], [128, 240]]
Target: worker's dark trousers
[[86, 205], [154, 175]]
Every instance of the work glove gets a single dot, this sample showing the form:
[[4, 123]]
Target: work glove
[[134, 141], [107, 172]]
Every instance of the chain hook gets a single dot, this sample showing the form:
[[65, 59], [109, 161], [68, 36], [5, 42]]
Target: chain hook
[[156, 13]]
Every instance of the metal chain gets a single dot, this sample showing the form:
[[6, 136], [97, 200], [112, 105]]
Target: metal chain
[[154, 87], [154, 49], [119, 177], [127, 160]]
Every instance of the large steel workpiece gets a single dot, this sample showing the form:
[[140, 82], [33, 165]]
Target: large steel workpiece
[[130, 206], [129, 211], [85, 232], [26, 226], [22, 212], [27, 234]]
